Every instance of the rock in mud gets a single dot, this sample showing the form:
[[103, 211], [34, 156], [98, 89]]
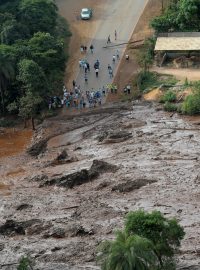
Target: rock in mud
[[12, 227], [80, 177], [23, 206], [2, 246], [115, 137], [62, 158], [55, 233], [37, 148], [130, 185]]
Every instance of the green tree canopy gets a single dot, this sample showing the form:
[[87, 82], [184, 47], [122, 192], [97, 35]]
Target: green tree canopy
[[38, 15], [32, 77], [127, 252], [181, 15], [164, 233]]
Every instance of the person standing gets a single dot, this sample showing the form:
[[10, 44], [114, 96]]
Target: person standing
[[97, 72], [86, 78], [73, 83], [110, 72], [92, 48], [115, 34]]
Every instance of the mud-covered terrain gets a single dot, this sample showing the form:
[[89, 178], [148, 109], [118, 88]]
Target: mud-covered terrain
[[75, 190]]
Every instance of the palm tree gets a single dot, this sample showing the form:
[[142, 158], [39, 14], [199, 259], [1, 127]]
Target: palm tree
[[6, 74], [127, 252]]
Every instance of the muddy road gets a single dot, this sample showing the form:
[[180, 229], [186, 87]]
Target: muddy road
[[127, 157]]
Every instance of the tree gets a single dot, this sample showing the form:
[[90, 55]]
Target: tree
[[7, 73], [38, 15], [164, 233], [32, 77], [130, 252], [27, 107]]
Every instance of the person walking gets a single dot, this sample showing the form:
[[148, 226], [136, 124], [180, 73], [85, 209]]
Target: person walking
[[110, 71], [117, 54], [113, 58], [88, 66], [91, 48], [108, 40], [115, 34], [97, 72]]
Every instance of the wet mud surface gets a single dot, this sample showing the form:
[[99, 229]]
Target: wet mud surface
[[150, 161]]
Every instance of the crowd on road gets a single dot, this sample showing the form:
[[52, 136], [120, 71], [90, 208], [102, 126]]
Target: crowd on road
[[79, 98]]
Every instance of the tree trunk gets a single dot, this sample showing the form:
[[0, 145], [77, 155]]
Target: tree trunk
[[33, 123], [2, 100], [25, 125]]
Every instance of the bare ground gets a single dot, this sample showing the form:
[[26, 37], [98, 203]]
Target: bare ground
[[160, 158]]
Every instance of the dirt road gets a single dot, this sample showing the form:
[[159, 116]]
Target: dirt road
[[109, 16]]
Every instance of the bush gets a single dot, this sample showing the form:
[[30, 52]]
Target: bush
[[191, 105], [145, 79], [170, 107], [169, 96]]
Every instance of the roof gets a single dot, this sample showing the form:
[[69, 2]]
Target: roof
[[177, 44]]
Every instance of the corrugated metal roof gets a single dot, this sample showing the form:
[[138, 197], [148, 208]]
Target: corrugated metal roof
[[177, 44]]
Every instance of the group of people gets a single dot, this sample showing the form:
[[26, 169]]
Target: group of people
[[80, 99]]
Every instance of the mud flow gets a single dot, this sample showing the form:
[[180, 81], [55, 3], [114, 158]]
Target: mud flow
[[13, 141]]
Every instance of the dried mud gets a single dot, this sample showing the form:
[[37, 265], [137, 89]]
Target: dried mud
[[157, 168]]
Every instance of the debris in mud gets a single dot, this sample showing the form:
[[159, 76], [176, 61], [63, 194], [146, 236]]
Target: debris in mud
[[2, 246], [80, 177], [23, 206], [130, 185], [12, 227], [81, 231], [37, 147], [114, 137], [102, 185], [55, 233], [37, 178], [62, 158]]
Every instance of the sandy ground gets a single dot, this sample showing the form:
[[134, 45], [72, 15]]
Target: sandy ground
[[181, 74]]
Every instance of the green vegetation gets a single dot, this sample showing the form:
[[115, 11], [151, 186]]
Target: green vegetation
[[181, 15], [170, 107], [169, 96], [32, 55], [25, 264], [147, 80], [191, 105], [149, 241]]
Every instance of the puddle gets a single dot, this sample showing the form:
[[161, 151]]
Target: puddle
[[13, 141]]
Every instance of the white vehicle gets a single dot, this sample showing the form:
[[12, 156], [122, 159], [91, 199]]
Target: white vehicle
[[86, 13]]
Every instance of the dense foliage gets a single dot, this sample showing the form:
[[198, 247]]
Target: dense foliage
[[149, 242], [32, 52], [181, 15], [191, 105]]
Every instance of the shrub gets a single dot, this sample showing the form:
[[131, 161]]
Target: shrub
[[169, 96], [191, 105], [170, 107]]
